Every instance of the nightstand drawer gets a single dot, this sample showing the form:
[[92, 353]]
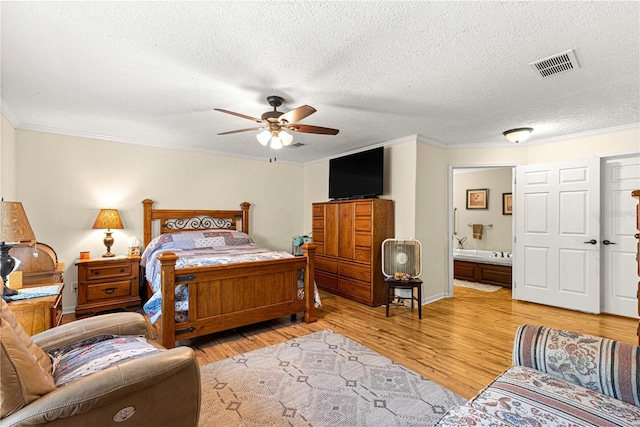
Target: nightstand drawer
[[111, 271], [110, 290]]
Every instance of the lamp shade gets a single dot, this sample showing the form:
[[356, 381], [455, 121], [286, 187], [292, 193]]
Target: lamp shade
[[264, 137], [518, 134], [14, 225], [285, 138], [108, 218]]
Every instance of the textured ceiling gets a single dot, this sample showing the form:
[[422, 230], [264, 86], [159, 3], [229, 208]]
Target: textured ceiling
[[455, 73]]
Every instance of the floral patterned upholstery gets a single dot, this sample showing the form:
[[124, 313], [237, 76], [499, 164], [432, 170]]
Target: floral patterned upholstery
[[559, 378]]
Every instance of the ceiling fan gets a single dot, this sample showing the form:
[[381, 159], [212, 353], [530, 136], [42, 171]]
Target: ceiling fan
[[274, 124]]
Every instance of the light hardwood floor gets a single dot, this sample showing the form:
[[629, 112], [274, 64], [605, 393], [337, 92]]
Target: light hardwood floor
[[461, 343]]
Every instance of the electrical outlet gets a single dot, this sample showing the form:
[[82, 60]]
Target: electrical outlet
[[74, 285]]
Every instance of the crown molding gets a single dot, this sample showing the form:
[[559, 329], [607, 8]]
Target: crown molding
[[146, 143], [529, 142], [7, 111], [585, 134]]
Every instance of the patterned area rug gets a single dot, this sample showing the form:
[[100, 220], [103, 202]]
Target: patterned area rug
[[321, 379], [477, 286]]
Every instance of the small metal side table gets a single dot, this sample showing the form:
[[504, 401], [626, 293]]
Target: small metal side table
[[411, 284]]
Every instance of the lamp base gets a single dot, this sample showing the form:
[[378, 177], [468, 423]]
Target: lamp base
[[8, 292], [108, 242], [7, 263]]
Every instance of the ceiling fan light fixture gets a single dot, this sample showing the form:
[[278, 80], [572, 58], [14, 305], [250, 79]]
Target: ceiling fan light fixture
[[276, 144], [286, 138], [264, 137], [518, 134]]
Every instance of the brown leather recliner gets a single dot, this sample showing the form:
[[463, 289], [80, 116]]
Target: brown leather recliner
[[159, 389]]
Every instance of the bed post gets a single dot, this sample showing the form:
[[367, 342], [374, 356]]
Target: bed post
[[309, 252], [245, 216], [148, 205], [168, 318]]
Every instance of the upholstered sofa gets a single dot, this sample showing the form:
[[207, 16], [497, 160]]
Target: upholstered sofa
[[559, 378], [95, 372]]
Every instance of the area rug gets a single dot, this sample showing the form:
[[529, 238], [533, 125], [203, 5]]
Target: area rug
[[321, 379], [477, 286]]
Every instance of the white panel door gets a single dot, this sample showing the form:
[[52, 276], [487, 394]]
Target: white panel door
[[557, 212], [620, 176]]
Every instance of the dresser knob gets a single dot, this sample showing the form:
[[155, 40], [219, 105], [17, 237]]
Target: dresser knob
[[122, 270]]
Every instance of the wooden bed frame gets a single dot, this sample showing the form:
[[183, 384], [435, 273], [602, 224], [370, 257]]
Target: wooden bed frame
[[223, 297]]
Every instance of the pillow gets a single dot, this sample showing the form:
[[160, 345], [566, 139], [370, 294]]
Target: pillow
[[78, 360], [23, 380], [40, 356], [194, 239]]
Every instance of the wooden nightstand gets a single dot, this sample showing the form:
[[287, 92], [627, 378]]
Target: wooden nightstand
[[107, 284], [38, 314]]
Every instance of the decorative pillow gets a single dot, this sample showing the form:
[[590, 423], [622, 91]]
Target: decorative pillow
[[599, 364], [23, 380], [40, 356], [81, 360], [194, 239]]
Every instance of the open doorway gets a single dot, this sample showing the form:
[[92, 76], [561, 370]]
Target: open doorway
[[481, 225]]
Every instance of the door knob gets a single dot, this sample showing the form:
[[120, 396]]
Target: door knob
[[592, 241], [606, 242]]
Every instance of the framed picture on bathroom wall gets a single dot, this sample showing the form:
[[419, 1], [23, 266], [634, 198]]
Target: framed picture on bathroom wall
[[507, 204], [478, 198]]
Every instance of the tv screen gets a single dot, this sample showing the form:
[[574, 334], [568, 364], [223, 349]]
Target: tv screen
[[357, 175]]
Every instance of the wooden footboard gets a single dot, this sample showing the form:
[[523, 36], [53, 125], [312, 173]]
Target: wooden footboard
[[222, 297]]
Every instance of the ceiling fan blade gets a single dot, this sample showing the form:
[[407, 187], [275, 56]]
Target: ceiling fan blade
[[313, 129], [253, 119], [298, 114], [239, 130]]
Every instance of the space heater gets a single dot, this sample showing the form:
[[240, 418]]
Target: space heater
[[401, 256]]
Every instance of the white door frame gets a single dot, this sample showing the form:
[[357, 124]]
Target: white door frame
[[449, 293]]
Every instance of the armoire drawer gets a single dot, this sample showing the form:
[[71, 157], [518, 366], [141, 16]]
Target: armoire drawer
[[354, 288], [328, 265], [355, 271], [363, 254], [326, 280]]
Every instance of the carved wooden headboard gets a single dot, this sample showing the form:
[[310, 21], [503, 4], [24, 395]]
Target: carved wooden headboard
[[173, 220]]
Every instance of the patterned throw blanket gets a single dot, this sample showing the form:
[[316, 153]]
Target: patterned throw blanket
[[198, 249]]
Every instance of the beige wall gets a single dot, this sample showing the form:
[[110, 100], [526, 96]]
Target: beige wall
[[431, 219], [497, 181], [399, 186], [63, 181], [7, 160]]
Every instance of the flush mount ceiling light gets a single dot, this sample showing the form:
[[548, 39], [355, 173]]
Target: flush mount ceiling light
[[518, 134]]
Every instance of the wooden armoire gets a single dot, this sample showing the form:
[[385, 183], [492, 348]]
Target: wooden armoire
[[349, 235], [636, 194]]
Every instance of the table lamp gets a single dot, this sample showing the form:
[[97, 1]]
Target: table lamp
[[108, 218], [15, 230]]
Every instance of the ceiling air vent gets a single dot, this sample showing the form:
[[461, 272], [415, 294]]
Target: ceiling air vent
[[556, 64], [297, 144]]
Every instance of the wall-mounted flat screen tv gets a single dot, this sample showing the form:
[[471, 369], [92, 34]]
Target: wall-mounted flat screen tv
[[357, 176]]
